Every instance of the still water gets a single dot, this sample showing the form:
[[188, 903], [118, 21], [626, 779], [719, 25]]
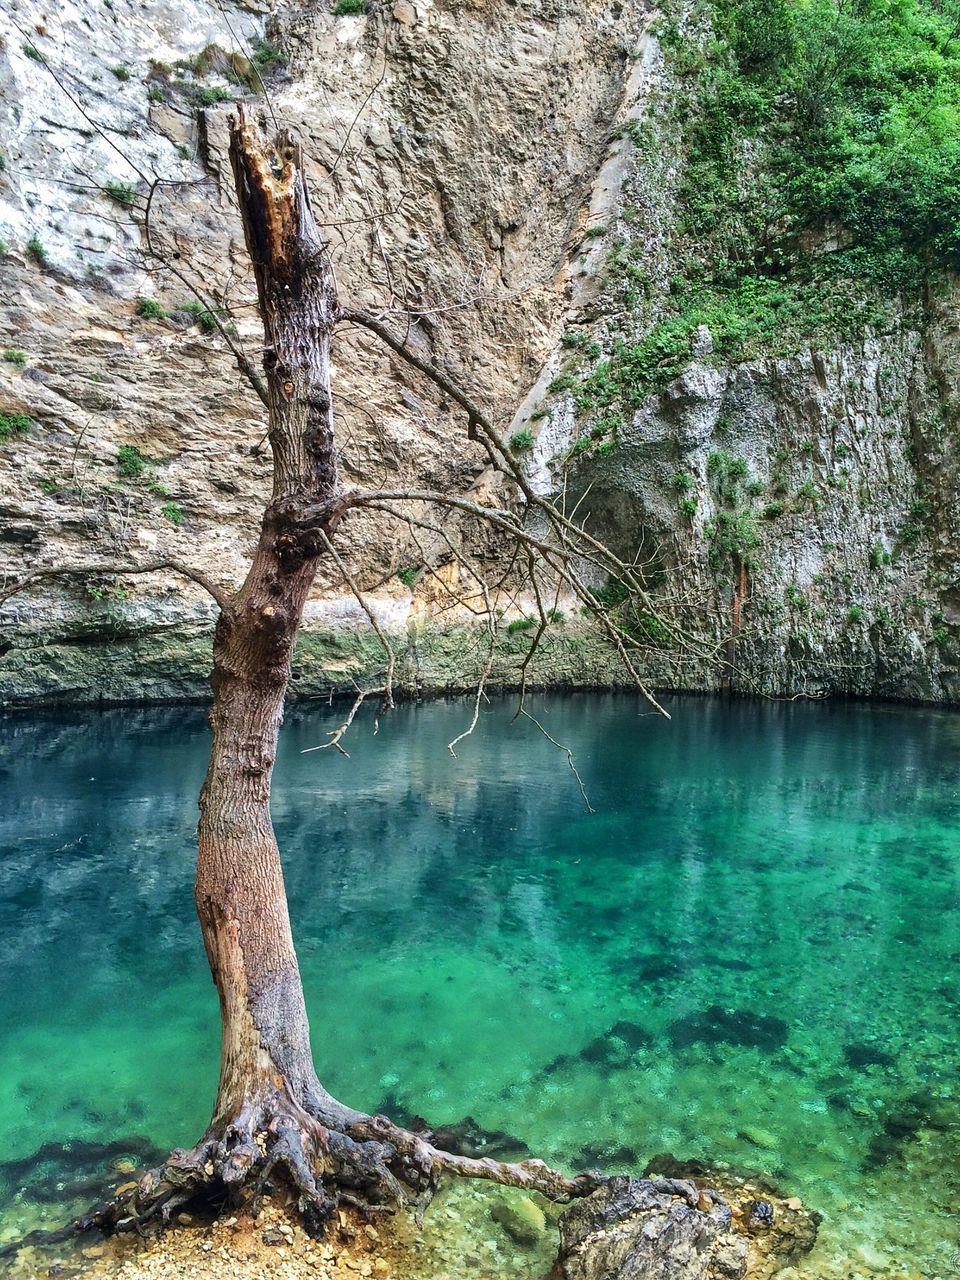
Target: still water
[[747, 954]]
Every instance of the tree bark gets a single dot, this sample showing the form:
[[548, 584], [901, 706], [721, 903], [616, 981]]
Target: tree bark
[[271, 1111]]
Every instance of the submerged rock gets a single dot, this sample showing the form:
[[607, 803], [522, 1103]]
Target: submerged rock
[[521, 1218], [729, 1026], [638, 1229]]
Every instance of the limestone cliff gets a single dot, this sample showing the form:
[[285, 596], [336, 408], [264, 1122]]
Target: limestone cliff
[[476, 164]]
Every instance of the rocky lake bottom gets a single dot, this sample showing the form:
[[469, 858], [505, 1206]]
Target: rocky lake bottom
[[746, 955]]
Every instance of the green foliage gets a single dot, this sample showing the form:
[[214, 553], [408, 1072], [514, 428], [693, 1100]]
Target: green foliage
[[48, 486], [266, 56], [204, 317], [879, 556], [613, 594], [521, 624], [210, 95], [120, 192], [17, 358], [807, 493], [688, 507], [801, 123], [732, 537], [593, 233], [725, 474], [556, 616], [772, 511], [130, 462], [682, 481], [605, 448], [172, 512], [522, 440], [562, 382], [122, 73], [855, 613], [408, 577], [150, 309], [32, 52], [795, 597], [12, 424], [37, 251], [344, 8]]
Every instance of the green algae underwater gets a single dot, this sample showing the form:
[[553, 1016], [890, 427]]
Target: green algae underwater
[[748, 954]]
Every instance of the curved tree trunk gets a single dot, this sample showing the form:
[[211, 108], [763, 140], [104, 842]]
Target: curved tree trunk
[[271, 1112]]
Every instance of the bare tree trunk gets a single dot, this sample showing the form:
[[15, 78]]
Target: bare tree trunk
[[271, 1112]]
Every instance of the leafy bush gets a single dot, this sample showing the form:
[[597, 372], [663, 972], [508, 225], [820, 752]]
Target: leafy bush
[[120, 192], [32, 52], [204, 317], [172, 512], [131, 462], [150, 309], [122, 73], [36, 250], [521, 624], [344, 8], [522, 440], [210, 95], [17, 358], [408, 577], [12, 424]]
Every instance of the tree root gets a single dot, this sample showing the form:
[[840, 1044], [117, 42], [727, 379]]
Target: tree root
[[371, 1165]]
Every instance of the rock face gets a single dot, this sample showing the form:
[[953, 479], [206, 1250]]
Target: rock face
[[635, 1229], [674, 1224], [473, 166]]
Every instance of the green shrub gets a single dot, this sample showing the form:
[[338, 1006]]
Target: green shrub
[[131, 462], [408, 577], [150, 309], [344, 8], [731, 537], [795, 597], [682, 481], [266, 56], [17, 358], [205, 318], [520, 441], [855, 613], [521, 624], [122, 73], [688, 507], [172, 512], [32, 52], [210, 95], [879, 555], [120, 192], [605, 448], [12, 424], [772, 511], [37, 251], [562, 382], [556, 616]]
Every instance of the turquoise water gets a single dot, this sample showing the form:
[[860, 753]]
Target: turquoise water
[[747, 954]]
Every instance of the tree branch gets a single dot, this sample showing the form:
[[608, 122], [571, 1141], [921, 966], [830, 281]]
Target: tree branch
[[222, 597]]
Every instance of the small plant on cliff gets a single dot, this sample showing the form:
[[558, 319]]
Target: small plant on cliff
[[12, 424], [150, 309], [130, 461], [210, 95], [36, 250], [521, 624], [520, 441], [349, 8], [32, 52], [120, 192], [204, 317], [172, 512], [855, 613], [408, 576], [682, 481], [122, 73], [17, 358]]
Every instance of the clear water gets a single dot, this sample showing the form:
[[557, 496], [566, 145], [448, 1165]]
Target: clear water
[[768, 898]]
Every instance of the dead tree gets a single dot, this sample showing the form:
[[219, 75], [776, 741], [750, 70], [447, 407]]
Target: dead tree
[[272, 1114]]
